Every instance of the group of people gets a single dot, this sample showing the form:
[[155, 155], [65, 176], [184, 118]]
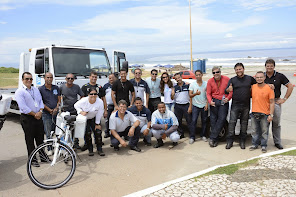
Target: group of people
[[133, 108]]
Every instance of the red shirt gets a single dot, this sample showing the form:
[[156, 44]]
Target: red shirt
[[216, 89]]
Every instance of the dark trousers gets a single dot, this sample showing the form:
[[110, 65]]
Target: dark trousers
[[152, 104], [90, 126], [195, 114], [180, 111], [133, 140], [33, 131], [218, 117], [109, 110], [241, 112]]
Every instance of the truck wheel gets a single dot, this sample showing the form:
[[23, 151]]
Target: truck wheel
[[223, 133]]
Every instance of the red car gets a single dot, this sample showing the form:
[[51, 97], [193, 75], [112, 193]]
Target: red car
[[187, 74]]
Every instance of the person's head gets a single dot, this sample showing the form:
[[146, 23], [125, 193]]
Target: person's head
[[178, 78], [270, 65], [112, 78], [161, 107], [48, 77], [139, 103], [27, 79], [123, 74], [239, 69], [165, 79], [198, 75], [216, 72], [122, 106], [93, 77], [92, 94], [154, 73], [260, 77], [70, 78], [138, 73]]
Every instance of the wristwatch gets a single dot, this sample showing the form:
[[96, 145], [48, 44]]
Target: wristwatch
[[271, 115], [41, 110]]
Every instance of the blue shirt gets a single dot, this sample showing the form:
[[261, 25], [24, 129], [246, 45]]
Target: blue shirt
[[144, 116], [50, 97], [28, 99]]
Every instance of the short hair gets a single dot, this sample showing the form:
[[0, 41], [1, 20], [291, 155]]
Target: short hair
[[138, 99], [26, 73], [177, 74], [260, 72], [198, 71], [138, 69], [122, 102], [239, 64], [154, 70], [162, 103], [215, 68], [70, 74], [270, 61], [93, 73], [123, 69], [92, 89]]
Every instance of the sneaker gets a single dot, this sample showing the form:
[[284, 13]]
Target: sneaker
[[182, 136], [253, 148], [191, 141], [35, 164], [279, 146], [204, 139], [84, 147], [50, 153], [91, 153], [76, 146], [146, 143], [100, 152], [263, 149], [116, 148], [175, 143]]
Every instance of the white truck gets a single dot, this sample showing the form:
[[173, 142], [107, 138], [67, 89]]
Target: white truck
[[60, 60]]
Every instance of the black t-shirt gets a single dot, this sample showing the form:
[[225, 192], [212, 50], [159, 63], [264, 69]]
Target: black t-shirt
[[122, 90], [277, 79], [241, 89], [85, 89]]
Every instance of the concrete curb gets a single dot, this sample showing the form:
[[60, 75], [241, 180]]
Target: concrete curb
[[190, 176]]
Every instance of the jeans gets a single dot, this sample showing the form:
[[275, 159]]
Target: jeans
[[195, 114], [133, 140], [148, 136], [180, 111], [170, 106], [218, 118], [236, 111], [276, 124], [48, 124], [174, 136], [260, 135]]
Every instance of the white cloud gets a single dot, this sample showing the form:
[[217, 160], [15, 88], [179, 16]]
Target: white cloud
[[3, 22], [228, 35], [6, 7], [260, 5]]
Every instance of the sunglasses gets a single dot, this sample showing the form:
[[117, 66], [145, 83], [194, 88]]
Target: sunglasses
[[216, 72], [164, 77], [137, 73], [70, 78], [93, 94], [29, 79], [154, 73]]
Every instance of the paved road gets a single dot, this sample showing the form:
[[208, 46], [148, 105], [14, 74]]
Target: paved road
[[124, 172]]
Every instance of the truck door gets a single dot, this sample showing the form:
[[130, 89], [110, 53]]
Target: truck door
[[41, 66], [119, 62]]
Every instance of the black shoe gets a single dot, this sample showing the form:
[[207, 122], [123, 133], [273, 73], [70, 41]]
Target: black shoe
[[146, 143], [101, 153], [107, 134], [46, 160], [126, 138], [229, 145], [35, 164], [211, 143], [84, 147], [135, 148], [76, 146], [182, 136], [175, 143], [215, 143], [111, 145], [116, 148], [279, 146], [91, 153], [242, 144], [159, 143]]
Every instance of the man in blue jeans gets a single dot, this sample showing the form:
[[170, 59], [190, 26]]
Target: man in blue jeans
[[198, 93], [240, 85]]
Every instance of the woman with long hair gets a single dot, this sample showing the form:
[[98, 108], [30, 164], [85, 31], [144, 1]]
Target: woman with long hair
[[167, 89]]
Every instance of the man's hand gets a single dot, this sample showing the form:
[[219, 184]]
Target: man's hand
[[226, 100], [130, 106], [271, 86], [189, 110], [145, 132], [206, 107], [131, 132], [164, 136], [280, 101], [213, 103], [146, 106], [123, 143], [198, 92], [115, 107], [269, 118], [230, 88], [83, 113], [98, 127], [105, 114], [38, 115], [166, 126]]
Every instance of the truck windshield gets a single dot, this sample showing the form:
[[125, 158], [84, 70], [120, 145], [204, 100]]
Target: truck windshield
[[79, 61]]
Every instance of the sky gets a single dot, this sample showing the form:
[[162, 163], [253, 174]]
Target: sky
[[141, 27]]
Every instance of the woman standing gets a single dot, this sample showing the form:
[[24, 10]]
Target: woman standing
[[167, 89], [93, 108]]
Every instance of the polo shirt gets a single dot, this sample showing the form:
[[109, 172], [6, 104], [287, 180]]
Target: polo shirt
[[154, 87], [85, 89], [199, 100], [182, 93], [108, 89], [70, 96], [261, 98], [119, 125], [144, 116], [140, 88], [50, 97], [122, 90], [277, 79]]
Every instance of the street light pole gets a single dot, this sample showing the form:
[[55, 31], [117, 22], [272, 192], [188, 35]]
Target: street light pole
[[191, 66]]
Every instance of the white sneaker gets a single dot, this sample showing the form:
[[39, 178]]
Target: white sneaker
[[50, 153], [204, 139], [191, 141]]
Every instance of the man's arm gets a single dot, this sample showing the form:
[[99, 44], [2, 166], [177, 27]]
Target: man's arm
[[269, 118], [287, 95], [105, 106], [121, 141], [114, 100], [147, 99], [133, 98], [132, 129]]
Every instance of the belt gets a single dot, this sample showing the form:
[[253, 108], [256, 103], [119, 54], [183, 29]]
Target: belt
[[154, 98], [182, 104]]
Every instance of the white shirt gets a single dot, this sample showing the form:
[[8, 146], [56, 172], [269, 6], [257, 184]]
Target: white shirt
[[119, 125], [167, 92]]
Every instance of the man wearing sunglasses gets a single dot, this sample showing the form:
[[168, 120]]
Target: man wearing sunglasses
[[218, 103], [140, 86], [31, 106], [155, 94]]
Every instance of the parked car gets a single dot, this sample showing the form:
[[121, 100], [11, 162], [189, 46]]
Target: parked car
[[187, 74]]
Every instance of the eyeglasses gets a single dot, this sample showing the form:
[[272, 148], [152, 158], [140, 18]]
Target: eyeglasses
[[154, 73], [70, 78], [216, 72], [137, 73], [93, 94], [29, 79]]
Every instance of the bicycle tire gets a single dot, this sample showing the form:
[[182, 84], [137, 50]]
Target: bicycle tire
[[45, 172]]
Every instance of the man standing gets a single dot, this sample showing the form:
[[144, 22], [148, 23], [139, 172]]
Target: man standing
[[154, 86], [240, 85], [198, 93], [218, 103], [275, 80], [140, 86], [262, 111], [144, 116], [183, 106], [69, 93], [110, 105], [124, 123], [31, 106], [121, 90], [51, 97], [164, 124]]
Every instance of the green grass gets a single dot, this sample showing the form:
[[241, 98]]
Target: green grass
[[8, 80], [289, 153]]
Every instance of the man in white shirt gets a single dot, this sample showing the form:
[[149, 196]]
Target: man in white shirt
[[155, 94]]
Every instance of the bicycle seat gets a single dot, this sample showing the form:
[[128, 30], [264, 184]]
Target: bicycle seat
[[70, 118]]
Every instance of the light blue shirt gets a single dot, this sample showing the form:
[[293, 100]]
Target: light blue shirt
[[154, 87], [199, 100]]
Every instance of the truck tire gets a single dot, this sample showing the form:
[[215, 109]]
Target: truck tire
[[223, 133]]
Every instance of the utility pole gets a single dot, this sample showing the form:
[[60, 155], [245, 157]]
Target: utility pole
[[191, 66]]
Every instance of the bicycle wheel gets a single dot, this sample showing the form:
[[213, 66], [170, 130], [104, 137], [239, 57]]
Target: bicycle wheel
[[47, 174]]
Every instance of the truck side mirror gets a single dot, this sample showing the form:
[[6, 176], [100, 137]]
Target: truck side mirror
[[125, 65], [39, 64]]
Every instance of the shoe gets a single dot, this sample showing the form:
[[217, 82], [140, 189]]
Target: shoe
[[84, 147], [263, 149], [126, 138], [35, 164], [242, 144], [252, 148], [211, 143], [146, 143], [111, 145], [91, 153], [107, 134], [116, 148], [76, 146], [100, 152], [215, 143], [103, 143], [50, 153], [159, 143], [175, 143], [135, 148], [191, 141], [279, 146], [182, 136], [204, 139], [229, 145]]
